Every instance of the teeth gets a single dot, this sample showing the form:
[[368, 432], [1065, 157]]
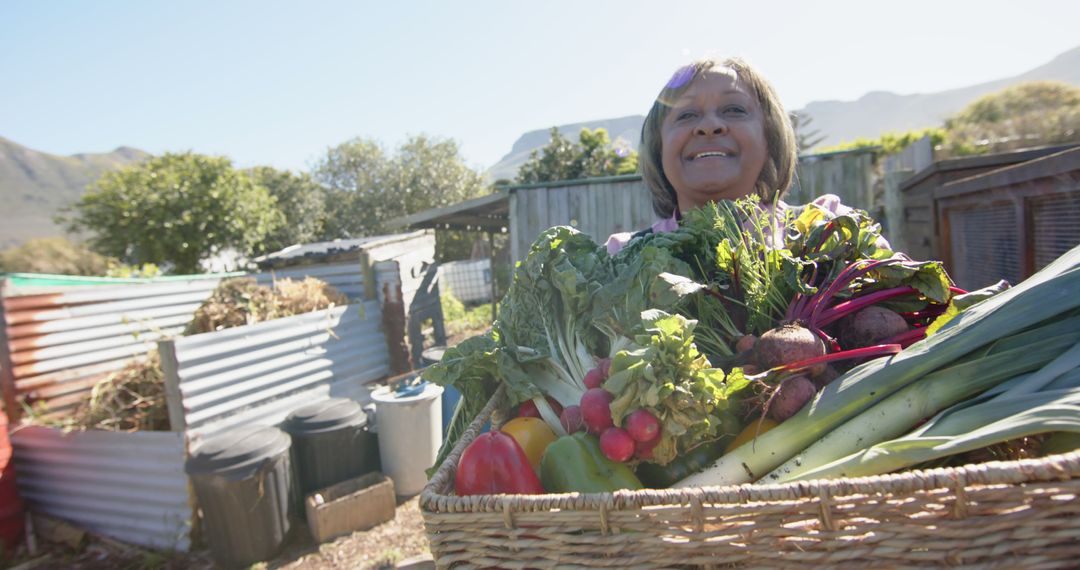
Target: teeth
[[711, 153]]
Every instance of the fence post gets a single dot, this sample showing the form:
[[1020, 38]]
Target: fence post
[[393, 320], [895, 217], [174, 400], [7, 371]]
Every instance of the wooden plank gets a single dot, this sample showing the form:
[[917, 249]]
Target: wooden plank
[[171, 372]]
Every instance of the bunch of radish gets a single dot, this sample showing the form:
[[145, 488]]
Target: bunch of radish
[[637, 436]]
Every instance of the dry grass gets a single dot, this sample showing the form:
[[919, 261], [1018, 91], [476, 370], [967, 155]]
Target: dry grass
[[133, 399]]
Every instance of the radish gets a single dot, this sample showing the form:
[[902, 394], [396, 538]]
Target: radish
[[870, 326], [643, 449], [792, 394], [596, 409], [642, 425], [571, 419], [595, 377], [745, 343], [617, 444]]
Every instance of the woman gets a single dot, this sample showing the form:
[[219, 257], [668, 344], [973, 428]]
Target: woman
[[717, 131]]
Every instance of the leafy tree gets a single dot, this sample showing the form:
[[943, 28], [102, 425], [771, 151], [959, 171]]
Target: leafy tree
[[593, 155], [175, 210], [301, 201], [366, 187], [56, 255], [891, 143], [805, 137], [1024, 115]]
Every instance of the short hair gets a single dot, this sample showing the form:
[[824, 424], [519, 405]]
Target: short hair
[[782, 153]]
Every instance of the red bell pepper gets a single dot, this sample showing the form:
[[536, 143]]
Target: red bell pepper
[[494, 463]]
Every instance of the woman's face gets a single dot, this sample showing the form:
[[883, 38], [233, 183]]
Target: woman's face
[[713, 140]]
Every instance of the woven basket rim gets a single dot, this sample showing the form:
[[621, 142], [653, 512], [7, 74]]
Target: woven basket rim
[[436, 497]]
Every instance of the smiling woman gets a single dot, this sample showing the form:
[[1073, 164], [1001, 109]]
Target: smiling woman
[[717, 131]]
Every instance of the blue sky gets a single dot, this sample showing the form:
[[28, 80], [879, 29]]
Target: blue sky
[[278, 82]]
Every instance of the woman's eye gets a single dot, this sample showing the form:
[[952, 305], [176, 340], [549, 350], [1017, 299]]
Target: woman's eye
[[735, 110], [684, 115]]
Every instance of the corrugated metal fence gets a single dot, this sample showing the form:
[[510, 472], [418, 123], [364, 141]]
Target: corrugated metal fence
[[130, 486]]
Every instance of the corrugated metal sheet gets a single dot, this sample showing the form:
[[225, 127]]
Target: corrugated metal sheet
[[259, 373], [129, 486], [59, 344], [347, 277]]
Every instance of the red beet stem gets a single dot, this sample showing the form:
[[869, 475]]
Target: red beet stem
[[907, 338], [840, 310], [865, 352]]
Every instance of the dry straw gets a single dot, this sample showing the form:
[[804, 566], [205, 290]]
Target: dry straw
[[1012, 514], [133, 399]]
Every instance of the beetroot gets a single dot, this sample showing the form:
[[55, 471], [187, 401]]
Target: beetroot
[[616, 444], [571, 419], [792, 394], [870, 326], [596, 409], [745, 343], [822, 380], [642, 425], [786, 344]]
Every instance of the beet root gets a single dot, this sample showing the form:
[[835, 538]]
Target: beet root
[[792, 394], [786, 344], [870, 326]]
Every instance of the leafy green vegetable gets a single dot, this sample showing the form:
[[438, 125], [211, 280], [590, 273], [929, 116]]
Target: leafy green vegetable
[[669, 377]]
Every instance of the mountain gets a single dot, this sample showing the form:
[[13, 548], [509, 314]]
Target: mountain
[[35, 186], [871, 115], [879, 112]]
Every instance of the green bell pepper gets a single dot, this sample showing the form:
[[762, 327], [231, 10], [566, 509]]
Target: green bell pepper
[[575, 463], [697, 459]]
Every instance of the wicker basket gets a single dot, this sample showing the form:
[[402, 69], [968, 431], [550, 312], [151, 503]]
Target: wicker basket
[[1016, 514]]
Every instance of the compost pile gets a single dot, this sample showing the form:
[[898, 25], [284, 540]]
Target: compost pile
[[133, 399], [756, 344]]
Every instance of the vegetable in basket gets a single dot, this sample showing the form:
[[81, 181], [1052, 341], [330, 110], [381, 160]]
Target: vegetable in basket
[[494, 463], [575, 463]]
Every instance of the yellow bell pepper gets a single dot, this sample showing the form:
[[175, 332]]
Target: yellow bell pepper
[[533, 435]]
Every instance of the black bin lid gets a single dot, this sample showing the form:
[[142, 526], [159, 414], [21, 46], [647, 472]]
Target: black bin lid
[[325, 416], [238, 448]]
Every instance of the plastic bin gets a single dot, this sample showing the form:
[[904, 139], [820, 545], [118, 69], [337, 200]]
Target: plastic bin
[[410, 433], [241, 479], [330, 443]]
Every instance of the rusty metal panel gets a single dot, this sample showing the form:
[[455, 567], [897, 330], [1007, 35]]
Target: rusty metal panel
[[258, 373], [58, 344], [128, 486]]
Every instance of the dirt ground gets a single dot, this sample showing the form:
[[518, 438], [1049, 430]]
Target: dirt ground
[[381, 547]]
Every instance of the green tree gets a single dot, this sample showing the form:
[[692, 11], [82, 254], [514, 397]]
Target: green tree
[[1024, 115], [805, 137], [301, 201], [592, 156], [366, 187], [175, 210]]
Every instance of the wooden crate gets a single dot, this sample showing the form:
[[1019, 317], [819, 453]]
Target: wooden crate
[[356, 504]]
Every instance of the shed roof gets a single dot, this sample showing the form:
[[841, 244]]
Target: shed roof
[[487, 213], [325, 249]]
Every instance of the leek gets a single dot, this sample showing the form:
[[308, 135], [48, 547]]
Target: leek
[[896, 414], [1052, 291], [968, 429]]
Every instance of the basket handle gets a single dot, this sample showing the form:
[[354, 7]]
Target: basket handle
[[442, 482]]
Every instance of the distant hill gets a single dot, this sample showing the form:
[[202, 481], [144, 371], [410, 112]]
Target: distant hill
[[34, 186], [871, 115]]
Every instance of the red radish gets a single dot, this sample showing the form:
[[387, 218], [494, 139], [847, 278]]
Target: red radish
[[644, 449], [786, 344], [527, 409], [870, 326], [571, 419], [596, 409], [616, 444], [595, 377], [792, 394], [642, 425]]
